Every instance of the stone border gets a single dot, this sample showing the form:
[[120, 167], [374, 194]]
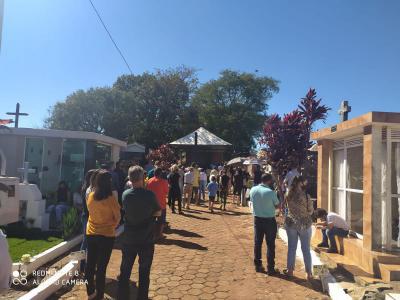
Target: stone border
[[329, 284], [47, 255], [54, 283]]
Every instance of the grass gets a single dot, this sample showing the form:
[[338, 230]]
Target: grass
[[20, 246]]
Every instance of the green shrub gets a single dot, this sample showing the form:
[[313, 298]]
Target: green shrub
[[71, 223]]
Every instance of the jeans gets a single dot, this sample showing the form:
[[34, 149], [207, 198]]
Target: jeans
[[293, 235], [99, 250], [265, 227], [224, 196], [330, 234], [60, 210], [129, 253], [175, 196], [203, 184]]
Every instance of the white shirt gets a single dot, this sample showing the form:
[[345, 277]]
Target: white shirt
[[189, 177], [290, 176], [337, 221], [203, 176]]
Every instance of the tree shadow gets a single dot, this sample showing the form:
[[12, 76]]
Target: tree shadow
[[111, 289], [182, 232], [182, 244]]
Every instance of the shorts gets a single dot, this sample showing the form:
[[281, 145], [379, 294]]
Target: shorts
[[163, 218], [212, 198]]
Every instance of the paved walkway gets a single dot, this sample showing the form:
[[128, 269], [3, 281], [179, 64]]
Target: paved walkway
[[209, 256]]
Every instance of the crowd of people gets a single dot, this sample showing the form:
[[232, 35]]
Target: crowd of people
[[299, 213], [139, 199]]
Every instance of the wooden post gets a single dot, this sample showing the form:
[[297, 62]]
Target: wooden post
[[372, 210], [324, 154]]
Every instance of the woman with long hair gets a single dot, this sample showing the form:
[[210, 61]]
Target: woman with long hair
[[104, 216], [298, 224]]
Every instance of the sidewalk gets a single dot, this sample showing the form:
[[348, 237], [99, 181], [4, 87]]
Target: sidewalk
[[210, 256]]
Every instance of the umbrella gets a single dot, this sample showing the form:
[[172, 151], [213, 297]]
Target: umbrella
[[234, 161], [252, 162]]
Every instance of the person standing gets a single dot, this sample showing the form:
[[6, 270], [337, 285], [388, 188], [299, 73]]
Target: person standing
[[159, 186], [174, 189], [187, 188], [257, 175], [196, 183], [141, 206], [265, 201], [224, 185], [104, 216], [237, 186], [203, 184], [212, 188], [298, 225]]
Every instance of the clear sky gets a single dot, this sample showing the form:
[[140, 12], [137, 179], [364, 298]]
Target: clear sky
[[347, 49]]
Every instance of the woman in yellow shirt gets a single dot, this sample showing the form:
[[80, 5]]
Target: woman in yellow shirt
[[104, 216]]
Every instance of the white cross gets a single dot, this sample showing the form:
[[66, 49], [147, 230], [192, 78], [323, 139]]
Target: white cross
[[25, 171]]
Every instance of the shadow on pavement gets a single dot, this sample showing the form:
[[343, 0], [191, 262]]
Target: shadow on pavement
[[182, 232], [112, 289], [182, 244], [187, 215]]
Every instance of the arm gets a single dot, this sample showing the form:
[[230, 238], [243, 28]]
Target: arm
[[116, 210]]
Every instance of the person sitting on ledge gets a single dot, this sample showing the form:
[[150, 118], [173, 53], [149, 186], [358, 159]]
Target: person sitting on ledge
[[331, 225]]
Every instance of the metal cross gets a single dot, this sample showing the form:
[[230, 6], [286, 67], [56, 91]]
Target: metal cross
[[17, 114], [344, 110], [25, 172]]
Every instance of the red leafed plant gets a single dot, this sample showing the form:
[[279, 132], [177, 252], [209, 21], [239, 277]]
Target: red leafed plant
[[163, 154], [287, 139]]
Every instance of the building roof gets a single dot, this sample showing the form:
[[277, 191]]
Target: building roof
[[355, 126], [65, 134], [135, 148], [204, 138]]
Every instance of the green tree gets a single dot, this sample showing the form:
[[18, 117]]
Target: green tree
[[234, 106], [151, 108]]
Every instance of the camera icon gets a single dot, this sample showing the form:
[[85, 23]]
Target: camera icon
[[19, 277]]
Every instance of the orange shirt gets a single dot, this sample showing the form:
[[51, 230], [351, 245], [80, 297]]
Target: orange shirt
[[159, 187], [104, 216]]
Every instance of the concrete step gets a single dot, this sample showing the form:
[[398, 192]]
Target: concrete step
[[389, 272]]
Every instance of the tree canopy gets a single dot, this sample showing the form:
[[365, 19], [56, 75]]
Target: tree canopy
[[234, 106], [157, 108]]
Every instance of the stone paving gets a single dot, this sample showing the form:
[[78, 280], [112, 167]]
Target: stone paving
[[209, 256]]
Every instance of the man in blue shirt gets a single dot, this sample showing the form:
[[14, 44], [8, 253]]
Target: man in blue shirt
[[265, 201]]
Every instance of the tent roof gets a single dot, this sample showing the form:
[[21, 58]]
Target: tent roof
[[204, 138]]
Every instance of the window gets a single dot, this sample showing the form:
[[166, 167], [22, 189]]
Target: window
[[347, 183], [395, 205]]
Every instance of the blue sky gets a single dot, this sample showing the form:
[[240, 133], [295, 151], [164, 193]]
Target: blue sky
[[348, 49]]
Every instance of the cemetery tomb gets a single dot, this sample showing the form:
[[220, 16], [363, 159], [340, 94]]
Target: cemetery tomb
[[359, 178]]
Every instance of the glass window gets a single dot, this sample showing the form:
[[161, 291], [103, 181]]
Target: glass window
[[338, 167], [51, 165], [338, 202], [355, 168], [355, 211], [73, 163], [395, 221], [34, 155], [395, 168]]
